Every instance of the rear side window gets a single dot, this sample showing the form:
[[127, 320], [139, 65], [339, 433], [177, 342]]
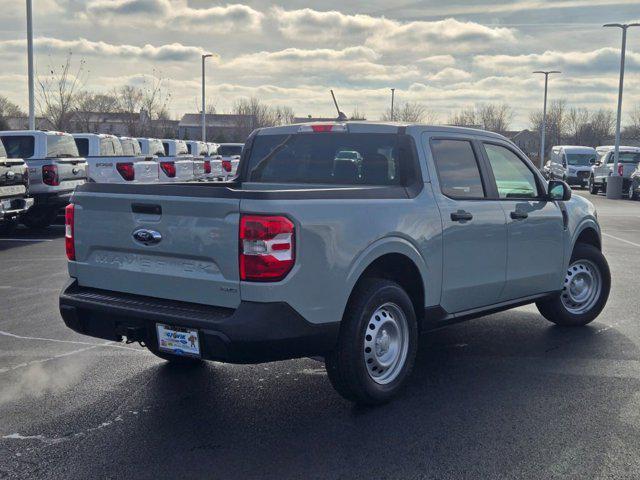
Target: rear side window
[[513, 178], [19, 146], [83, 146], [189, 148], [181, 148], [457, 167], [130, 147], [165, 145], [3, 152], [332, 158], [61, 146]]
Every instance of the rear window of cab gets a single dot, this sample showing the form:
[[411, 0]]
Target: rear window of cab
[[333, 158]]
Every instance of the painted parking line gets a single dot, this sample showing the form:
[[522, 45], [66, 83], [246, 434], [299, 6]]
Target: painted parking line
[[74, 342], [25, 240], [622, 240]]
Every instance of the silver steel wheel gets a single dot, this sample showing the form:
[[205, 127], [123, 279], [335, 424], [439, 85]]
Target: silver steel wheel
[[582, 287], [386, 343]]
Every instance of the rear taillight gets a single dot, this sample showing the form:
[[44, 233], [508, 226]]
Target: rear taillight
[[620, 170], [50, 175], [25, 176], [126, 171], [226, 165], [69, 243], [267, 248], [169, 169], [207, 166]]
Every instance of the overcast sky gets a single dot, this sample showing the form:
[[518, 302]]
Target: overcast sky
[[445, 54]]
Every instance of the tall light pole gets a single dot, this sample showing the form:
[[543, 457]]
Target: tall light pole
[[393, 94], [32, 106], [544, 113], [204, 113], [614, 183]]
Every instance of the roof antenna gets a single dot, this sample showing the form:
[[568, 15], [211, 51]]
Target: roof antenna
[[341, 116]]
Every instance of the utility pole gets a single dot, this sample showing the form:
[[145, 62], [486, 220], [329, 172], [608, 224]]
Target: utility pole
[[204, 105], [544, 113], [32, 106], [615, 181], [393, 94]]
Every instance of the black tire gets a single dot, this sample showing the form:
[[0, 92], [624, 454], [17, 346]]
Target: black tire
[[553, 308], [346, 366], [39, 217], [593, 188], [178, 360], [631, 194]]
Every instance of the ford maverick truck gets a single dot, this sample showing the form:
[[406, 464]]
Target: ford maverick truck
[[304, 254]]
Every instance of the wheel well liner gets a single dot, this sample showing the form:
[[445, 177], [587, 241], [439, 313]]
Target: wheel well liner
[[590, 237], [400, 269]]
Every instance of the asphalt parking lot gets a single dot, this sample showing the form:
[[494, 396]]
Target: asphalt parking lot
[[505, 396]]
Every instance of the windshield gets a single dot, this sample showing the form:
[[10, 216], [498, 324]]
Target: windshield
[[19, 146], [130, 147], [229, 150], [581, 159], [383, 159], [61, 146]]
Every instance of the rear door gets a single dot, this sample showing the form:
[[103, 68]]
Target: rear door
[[535, 225], [474, 236], [174, 247]]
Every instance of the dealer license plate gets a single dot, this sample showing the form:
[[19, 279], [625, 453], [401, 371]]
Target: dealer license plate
[[178, 340]]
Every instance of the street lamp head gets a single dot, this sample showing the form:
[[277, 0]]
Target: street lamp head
[[207, 55], [548, 72], [618, 25]]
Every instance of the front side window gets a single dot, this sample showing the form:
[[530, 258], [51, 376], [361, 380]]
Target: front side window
[[513, 178], [19, 146], [457, 168], [61, 146], [629, 157]]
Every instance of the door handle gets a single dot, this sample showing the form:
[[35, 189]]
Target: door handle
[[461, 216], [518, 215]]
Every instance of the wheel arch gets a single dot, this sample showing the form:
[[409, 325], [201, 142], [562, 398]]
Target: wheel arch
[[394, 259]]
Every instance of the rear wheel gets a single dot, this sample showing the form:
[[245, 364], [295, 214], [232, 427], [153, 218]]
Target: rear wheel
[[39, 216], [593, 188], [632, 193], [377, 343], [586, 289]]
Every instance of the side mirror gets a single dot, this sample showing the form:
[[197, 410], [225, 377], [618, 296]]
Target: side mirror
[[559, 190]]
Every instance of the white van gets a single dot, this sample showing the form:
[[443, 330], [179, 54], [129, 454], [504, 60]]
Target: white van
[[576, 162]]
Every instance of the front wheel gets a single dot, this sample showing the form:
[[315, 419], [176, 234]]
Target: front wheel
[[585, 292], [377, 343], [593, 188], [632, 194]]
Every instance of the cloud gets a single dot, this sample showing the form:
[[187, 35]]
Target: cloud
[[450, 75], [592, 62], [389, 36], [172, 52], [175, 15]]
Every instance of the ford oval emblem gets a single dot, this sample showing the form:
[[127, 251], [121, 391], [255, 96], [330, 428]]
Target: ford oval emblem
[[147, 237], [75, 171], [11, 175]]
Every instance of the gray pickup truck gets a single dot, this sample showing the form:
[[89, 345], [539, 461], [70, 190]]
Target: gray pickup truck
[[14, 189], [299, 257]]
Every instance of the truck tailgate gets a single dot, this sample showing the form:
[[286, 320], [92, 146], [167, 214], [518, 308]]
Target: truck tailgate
[[146, 171], [193, 258]]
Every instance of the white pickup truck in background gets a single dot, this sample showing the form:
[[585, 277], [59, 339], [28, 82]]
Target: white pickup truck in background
[[201, 165], [108, 163], [217, 173], [169, 171], [177, 152], [55, 170], [230, 153]]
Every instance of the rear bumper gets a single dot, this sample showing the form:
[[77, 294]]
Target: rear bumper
[[56, 199], [252, 333], [16, 207], [579, 179]]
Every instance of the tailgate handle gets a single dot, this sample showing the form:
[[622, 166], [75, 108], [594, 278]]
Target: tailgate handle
[[147, 208]]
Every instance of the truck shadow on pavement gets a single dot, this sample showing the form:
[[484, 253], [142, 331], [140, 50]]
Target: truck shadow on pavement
[[508, 395], [22, 236]]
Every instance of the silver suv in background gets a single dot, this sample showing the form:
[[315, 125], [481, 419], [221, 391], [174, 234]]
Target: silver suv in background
[[55, 170], [629, 158]]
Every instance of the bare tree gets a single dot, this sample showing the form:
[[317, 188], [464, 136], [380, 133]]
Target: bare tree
[[602, 126], [633, 129], [251, 113], [357, 114], [8, 109], [91, 109], [58, 93], [284, 115], [143, 105], [490, 116], [411, 113], [556, 125]]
